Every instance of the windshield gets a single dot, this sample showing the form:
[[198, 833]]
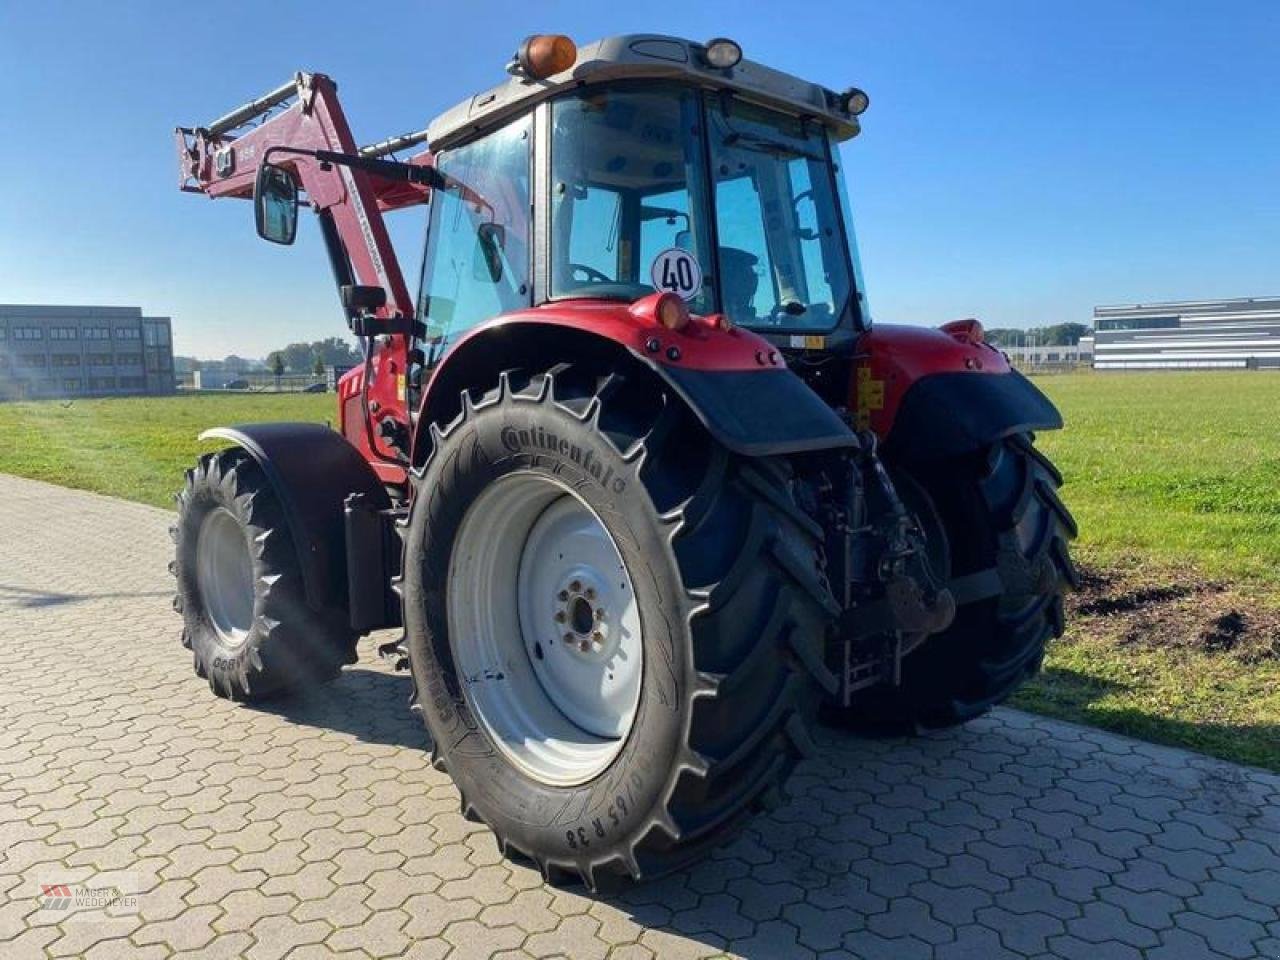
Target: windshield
[[782, 258], [627, 183]]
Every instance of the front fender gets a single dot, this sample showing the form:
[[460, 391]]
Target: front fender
[[312, 470]]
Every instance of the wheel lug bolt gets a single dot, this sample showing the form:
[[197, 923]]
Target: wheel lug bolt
[[575, 586], [563, 594], [590, 593], [598, 637], [584, 646], [599, 613], [568, 638], [559, 616]]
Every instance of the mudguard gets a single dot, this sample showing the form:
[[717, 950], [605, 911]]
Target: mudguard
[[312, 470], [947, 414], [748, 401], [759, 413], [942, 392]]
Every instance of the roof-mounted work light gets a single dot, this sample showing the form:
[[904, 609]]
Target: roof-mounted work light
[[854, 101], [543, 55], [722, 53]]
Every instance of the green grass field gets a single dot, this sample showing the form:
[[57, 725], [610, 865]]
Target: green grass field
[[1173, 467], [1174, 477], [1175, 481], [134, 447]]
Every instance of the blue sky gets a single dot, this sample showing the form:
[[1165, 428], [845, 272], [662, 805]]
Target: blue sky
[[1021, 161]]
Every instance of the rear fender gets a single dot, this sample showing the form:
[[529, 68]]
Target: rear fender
[[940, 393], [312, 470], [752, 408]]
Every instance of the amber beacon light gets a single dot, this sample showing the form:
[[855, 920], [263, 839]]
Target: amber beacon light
[[546, 54]]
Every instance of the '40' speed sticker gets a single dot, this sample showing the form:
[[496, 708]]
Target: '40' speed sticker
[[676, 271]]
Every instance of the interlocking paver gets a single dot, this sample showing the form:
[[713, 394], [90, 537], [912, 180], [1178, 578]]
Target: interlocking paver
[[274, 937], [190, 930], [1229, 936], [380, 935], [315, 827]]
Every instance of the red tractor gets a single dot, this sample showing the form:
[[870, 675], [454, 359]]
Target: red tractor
[[635, 476]]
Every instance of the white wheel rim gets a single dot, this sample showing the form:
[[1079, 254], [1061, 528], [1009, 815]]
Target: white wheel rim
[[224, 574], [545, 629]]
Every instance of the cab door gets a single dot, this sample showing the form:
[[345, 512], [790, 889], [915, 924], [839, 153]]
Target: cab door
[[477, 260]]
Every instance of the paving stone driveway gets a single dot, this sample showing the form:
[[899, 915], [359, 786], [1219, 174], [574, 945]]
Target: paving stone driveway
[[315, 827]]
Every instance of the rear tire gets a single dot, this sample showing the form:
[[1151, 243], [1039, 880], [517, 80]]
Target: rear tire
[[240, 592], [998, 508], [729, 604]]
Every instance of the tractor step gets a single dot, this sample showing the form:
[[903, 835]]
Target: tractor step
[[373, 560]]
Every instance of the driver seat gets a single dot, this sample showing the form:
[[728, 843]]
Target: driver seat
[[738, 281]]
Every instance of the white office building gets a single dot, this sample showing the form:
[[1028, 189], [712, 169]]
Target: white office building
[[1192, 335]]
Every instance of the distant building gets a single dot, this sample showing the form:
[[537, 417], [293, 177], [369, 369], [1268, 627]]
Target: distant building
[[332, 374], [60, 351], [1191, 335], [1045, 356], [214, 376]]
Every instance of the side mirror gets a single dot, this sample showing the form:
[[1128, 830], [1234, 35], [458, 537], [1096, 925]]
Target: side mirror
[[491, 238], [275, 204]]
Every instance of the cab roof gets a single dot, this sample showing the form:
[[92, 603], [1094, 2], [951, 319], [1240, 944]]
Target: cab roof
[[641, 56]]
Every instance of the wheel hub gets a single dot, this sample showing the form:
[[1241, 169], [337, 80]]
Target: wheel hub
[[584, 620]]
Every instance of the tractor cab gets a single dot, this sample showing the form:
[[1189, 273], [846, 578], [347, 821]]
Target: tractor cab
[[649, 164]]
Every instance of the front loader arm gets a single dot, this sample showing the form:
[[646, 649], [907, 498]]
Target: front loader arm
[[222, 160], [217, 162]]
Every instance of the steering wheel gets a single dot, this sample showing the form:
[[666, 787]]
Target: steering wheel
[[784, 314], [589, 274]]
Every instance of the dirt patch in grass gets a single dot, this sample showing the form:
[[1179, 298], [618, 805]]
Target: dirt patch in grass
[[1134, 606]]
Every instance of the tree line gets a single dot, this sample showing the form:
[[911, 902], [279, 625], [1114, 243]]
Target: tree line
[[1055, 335], [309, 358], [312, 357]]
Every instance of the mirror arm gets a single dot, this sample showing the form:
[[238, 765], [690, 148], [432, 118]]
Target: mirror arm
[[386, 169]]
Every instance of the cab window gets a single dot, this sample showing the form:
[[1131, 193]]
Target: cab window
[[477, 258], [783, 260]]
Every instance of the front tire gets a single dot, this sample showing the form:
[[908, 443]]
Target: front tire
[[719, 621], [240, 592], [998, 508]]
